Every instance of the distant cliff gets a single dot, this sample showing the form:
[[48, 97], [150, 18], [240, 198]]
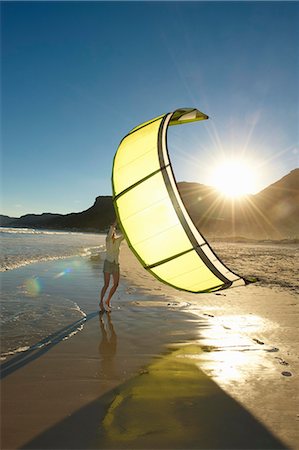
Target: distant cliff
[[96, 218], [271, 214]]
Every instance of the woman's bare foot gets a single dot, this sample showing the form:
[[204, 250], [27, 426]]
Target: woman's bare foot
[[107, 307]]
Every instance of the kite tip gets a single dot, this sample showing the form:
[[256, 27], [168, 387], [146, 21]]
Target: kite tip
[[250, 280]]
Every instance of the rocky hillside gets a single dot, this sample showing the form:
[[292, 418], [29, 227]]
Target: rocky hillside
[[271, 214], [95, 218]]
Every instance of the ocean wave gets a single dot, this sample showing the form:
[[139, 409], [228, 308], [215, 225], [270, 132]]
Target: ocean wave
[[11, 262], [15, 264], [38, 231], [64, 333]]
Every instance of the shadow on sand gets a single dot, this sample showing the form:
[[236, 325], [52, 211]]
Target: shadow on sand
[[170, 405], [41, 347]]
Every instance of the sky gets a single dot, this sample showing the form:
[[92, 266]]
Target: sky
[[78, 76]]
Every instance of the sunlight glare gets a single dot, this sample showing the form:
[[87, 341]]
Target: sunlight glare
[[234, 178]]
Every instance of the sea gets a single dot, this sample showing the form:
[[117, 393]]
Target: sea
[[39, 269]]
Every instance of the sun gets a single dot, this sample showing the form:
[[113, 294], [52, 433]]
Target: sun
[[234, 178]]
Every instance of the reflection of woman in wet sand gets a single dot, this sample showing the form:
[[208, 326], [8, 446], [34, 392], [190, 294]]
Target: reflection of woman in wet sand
[[111, 265], [108, 344]]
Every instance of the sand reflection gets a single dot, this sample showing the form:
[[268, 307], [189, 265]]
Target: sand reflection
[[231, 352], [108, 345]]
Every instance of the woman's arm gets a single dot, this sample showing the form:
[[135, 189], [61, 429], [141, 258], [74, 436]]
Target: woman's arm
[[111, 231]]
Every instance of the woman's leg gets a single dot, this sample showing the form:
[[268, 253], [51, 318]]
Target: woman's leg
[[105, 287], [114, 287]]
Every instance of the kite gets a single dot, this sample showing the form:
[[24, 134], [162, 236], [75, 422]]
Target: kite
[[151, 213]]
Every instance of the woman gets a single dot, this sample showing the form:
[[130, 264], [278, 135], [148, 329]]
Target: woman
[[111, 266]]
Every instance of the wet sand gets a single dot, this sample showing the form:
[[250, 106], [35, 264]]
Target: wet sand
[[165, 369]]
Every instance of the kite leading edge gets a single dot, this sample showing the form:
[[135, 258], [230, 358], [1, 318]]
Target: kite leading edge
[[151, 213]]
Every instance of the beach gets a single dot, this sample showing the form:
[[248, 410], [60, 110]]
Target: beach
[[166, 369]]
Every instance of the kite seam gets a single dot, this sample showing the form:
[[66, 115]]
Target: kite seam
[[170, 258], [139, 182]]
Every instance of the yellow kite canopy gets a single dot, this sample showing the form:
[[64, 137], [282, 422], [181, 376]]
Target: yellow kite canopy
[[151, 213]]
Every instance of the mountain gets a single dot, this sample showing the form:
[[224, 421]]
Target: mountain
[[271, 214], [5, 221], [280, 204], [95, 218]]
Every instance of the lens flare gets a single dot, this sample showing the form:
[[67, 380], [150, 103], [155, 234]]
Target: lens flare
[[33, 287], [64, 272]]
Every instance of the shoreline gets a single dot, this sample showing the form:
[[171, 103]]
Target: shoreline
[[233, 345], [229, 239]]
